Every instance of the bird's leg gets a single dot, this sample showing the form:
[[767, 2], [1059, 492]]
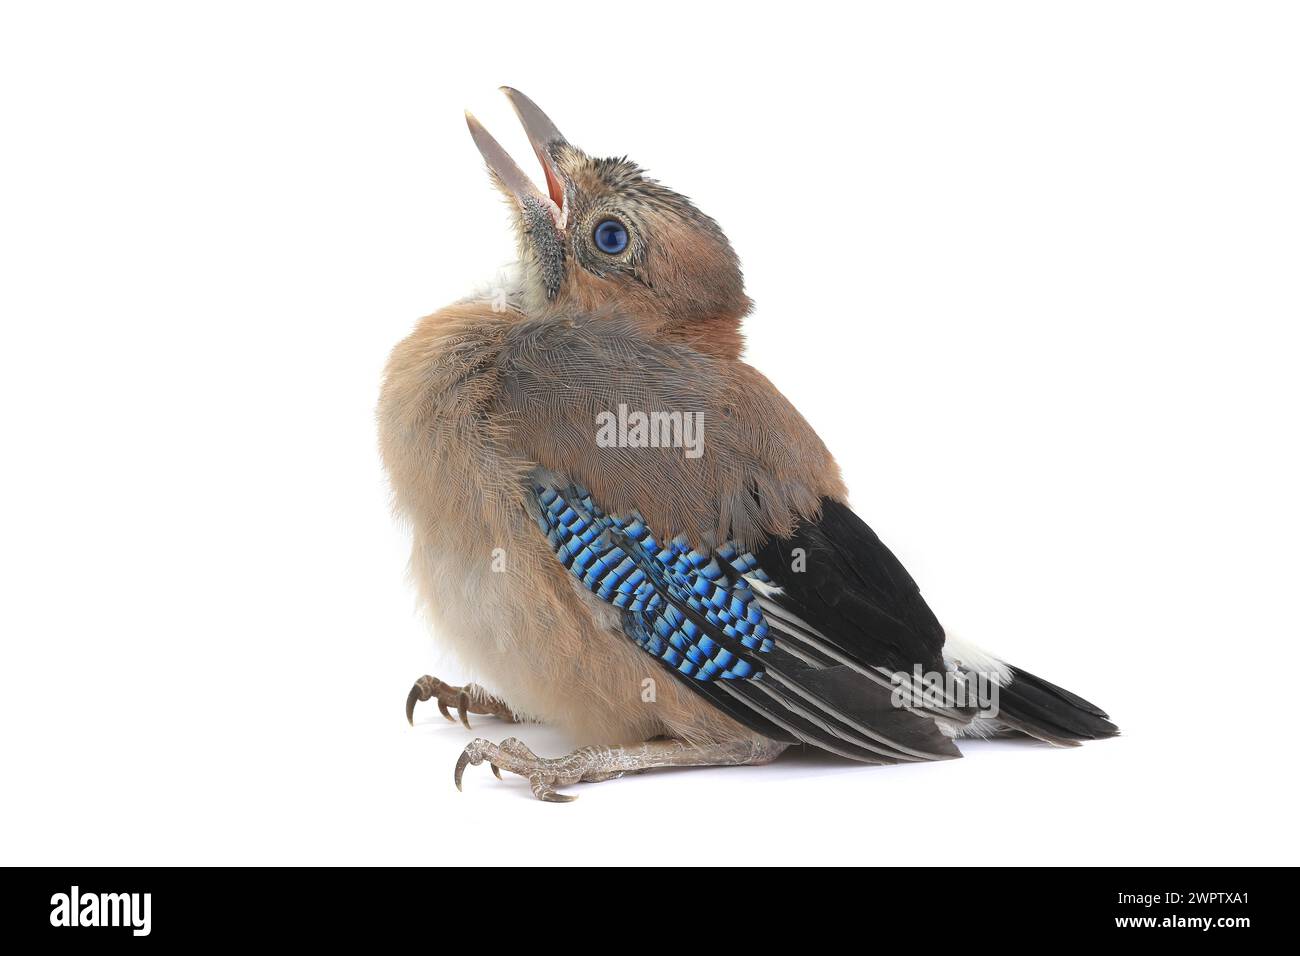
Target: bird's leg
[[470, 699], [593, 764]]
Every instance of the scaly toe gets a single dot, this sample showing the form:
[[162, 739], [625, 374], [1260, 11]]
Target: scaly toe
[[544, 790], [516, 748]]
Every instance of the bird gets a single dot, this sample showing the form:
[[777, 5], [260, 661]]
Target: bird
[[625, 531]]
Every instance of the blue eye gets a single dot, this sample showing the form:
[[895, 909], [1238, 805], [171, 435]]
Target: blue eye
[[610, 236]]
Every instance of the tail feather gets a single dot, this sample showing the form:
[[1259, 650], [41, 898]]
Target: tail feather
[[1040, 709]]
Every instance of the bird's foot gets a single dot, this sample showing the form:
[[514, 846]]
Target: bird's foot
[[594, 764], [544, 774], [470, 699]]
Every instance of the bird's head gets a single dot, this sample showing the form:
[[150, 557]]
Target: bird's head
[[602, 236]]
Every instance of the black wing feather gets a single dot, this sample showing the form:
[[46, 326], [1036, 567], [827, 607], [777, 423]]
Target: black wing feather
[[837, 576]]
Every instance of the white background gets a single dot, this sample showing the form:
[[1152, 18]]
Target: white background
[[1030, 269]]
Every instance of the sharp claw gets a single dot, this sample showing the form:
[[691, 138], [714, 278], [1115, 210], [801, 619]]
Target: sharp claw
[[548, 794], [411, 698], [543, 790], [463, 706], [496, 771], [442, 709], [461, 764]]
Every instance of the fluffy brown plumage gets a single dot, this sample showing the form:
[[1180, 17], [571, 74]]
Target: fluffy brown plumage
[[475, 399]]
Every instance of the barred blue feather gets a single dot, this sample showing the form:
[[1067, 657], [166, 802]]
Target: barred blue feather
[[671, 595]]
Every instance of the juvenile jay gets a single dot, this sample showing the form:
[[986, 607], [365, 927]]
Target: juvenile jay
[[666, 608]]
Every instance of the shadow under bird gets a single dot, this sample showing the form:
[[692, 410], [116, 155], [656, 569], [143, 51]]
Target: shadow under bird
[[667, 603]]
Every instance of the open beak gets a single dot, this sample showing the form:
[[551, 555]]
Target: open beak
[[543, 136]]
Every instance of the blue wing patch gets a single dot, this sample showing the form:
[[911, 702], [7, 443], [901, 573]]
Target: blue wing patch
[[676, 601]]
